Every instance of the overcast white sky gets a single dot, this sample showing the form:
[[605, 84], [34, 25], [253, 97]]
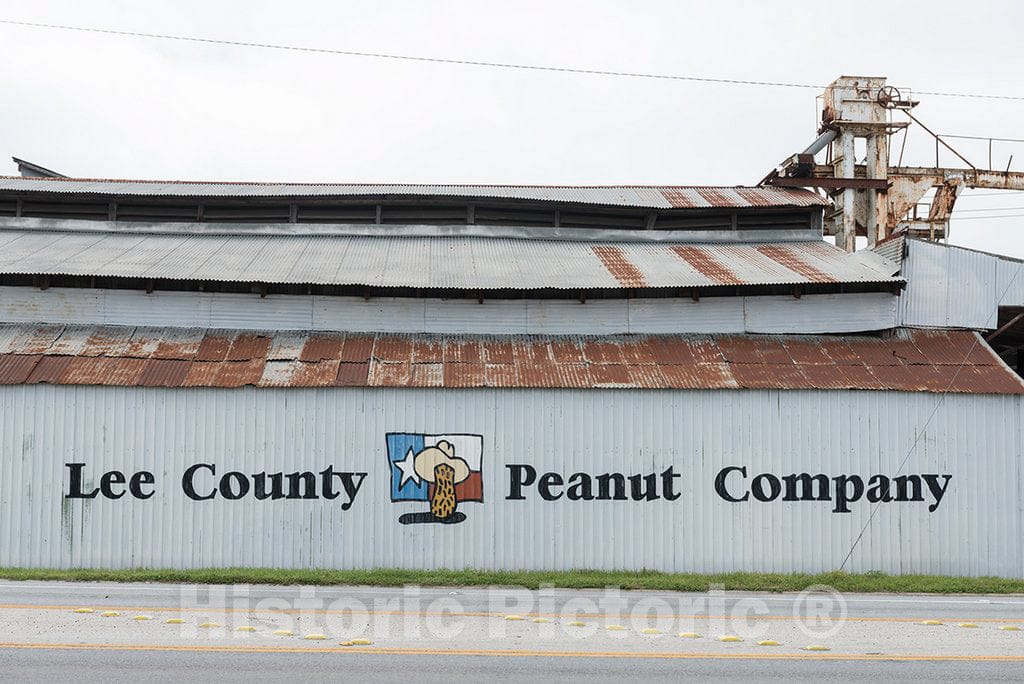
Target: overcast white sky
[[107, 106]]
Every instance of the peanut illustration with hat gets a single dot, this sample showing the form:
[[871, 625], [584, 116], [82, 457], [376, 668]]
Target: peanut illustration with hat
[[439, 466]]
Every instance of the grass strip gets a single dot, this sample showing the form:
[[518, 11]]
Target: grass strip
[[575, 579]]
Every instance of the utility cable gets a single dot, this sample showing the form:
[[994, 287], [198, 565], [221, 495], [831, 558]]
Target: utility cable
[[464, 62]]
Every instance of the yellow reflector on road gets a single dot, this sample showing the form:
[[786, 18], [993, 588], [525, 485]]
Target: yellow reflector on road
[[768, 642], [729, 638]]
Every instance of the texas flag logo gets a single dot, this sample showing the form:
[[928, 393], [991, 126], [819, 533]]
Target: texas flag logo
[[444, 470]]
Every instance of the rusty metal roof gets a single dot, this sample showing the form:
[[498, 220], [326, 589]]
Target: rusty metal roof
[[913, 361], [442, 262], [637, 196]]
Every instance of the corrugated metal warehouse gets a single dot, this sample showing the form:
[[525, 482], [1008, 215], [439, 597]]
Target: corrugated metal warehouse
[[348, 376]]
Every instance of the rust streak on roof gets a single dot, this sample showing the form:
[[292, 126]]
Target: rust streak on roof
[[791, 260], [703, 262], [620, 268]]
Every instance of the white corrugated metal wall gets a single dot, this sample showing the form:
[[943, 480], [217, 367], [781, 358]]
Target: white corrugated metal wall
[[832, 313], [976, 530], [953, 287]]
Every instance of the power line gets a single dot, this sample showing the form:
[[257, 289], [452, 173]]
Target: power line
[[960, 211], [464, 62], [981, 218]]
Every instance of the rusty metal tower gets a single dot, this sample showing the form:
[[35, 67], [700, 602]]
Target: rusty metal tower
[[874, 198]]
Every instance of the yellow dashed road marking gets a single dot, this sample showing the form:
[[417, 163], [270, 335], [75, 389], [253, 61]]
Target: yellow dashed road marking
[[510, 653]]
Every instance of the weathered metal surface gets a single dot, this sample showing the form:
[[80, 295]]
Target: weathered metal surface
[[825, 313], [617, 264], [472, 263], [973, 439], [953, 287], [910, 361], [654, 197]]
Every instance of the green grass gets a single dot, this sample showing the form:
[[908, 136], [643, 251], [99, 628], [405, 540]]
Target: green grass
[[745, 581]]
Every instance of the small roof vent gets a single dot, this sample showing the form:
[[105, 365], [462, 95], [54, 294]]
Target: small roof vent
[[29, 170]]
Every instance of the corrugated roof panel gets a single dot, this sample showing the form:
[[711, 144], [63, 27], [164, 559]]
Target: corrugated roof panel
[[698, 376], [353, 374], [34, 339], [768, 375], [15, 369], [164, 373], [323, 348], [49, 370], [178, 343], [390, 374], [476, 263], [318, 374], [908, 361], [427, 375], [239, 373], [653, 197]]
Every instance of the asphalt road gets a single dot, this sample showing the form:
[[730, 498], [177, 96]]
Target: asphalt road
[[53, 665], [458, 634]]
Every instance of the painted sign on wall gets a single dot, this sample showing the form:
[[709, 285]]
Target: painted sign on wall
[[687, 481]]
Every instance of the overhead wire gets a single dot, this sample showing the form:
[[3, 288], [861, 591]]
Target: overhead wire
[[464, 62]]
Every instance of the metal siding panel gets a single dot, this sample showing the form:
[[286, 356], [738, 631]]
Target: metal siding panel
[[847, 312], [957, 288], [854, 312], [56, 305], [975, 438], [556, 316], [672, 315], [505, 316], [376, 315], [924, 301], [250, 311], [182, 309]]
